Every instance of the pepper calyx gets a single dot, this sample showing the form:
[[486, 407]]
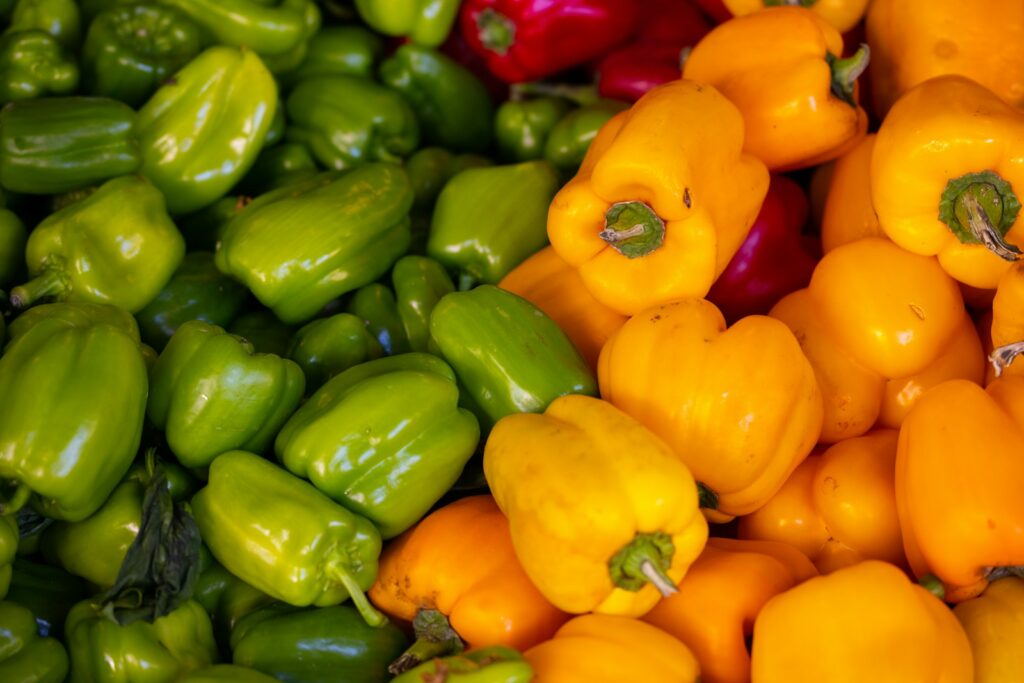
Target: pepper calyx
[[645, 559], [633, 229]]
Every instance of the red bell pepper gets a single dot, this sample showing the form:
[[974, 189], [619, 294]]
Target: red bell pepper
[[774, 260], [715, 9], [525, 40], [669, 22]]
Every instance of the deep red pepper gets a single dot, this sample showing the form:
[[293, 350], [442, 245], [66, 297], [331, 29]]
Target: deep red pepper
[[774, 260], [670, 22], [526, 40], [715, 9]]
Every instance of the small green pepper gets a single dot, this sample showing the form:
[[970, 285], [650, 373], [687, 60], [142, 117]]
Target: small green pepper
[[278, 166], [33, 64], [419, 284], [226, 598], [522, 127], [429, 170], [13, 237], [264, 331], [495, 664], [50, 592], [60, 18], [425, 22], [25, 656], [339, 51], [570, 138], [8, 551], [329, 346], [376, 306]]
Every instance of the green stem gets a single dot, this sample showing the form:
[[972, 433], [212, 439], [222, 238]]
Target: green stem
[[933, 585], [1002, 357], [48, 283], [369, 613], [980, 208], [983, 230], [846, 71], [496, 31], [434, 638], [643, 560], [17, 501], [633, 229]]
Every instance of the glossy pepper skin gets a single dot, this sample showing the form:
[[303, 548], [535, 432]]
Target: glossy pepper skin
[[13, 237], [679, 372], [521, 127], [48, 591], [571, 137], [547, 472], [424, 22], [26, 656], [995, 627], [60, 18], [316, 645], [131, 49], [488, 665], [419, 283], [919, 640], [328, 346], [33, 64], [55, 145], [430, 169], [509, 356], [285, 538], [80, 360], [226, 673], [226, 598], [798, 101], [849, 212], [526, 40], [842, 15], [376, 305], [77, 254], [1007, 326], [299, 247], [210, 393], [956, 200], [643, 228], [339, 51]]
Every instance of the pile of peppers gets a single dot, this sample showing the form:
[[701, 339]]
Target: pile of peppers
[[511, 341]]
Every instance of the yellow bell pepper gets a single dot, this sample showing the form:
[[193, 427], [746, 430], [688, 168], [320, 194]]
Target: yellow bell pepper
[[995, 626], [662, 201], [948, 161], [781, 67], [604, 516], [849, 214], [841, 14], [1008, 322]]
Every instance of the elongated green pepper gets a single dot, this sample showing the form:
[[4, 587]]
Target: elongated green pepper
[[339, 51], [49, 592], [419, 284], [495, 664], [426, 22], [60, 18], [8, 550], [376, 306], [33, 64], [269, 27], [25, 657], [329, 346], [522, 127], [13, 237]]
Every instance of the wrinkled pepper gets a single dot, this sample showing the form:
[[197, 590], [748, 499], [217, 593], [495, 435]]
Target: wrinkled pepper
[[994, 623], [25, 655], [419, 283], [522, 127], [488, 665], [849, 213], [424, 22], [33, 64], [329, 346], [13, 237], [842, 15], [569, 140], [339, 51], [1007, 326]]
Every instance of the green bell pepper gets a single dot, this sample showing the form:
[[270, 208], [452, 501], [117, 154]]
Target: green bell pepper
[[33, 64], [264, 331], [25, 656], [280, 535], [329, 346], [196, 291], [226, 673], [426, 22], [570, 138], [55, 145], [346, 121], [131, 49], [429, 170], [301, 246], [509, 356], [278, 166], [452, 105], [522, 127], [320, 645], [268, 27], [49, 592], [202, 130], [339, 51], [386, 439], [376, 306], [226, 598], [489, 220], [495, 664], [8, 551], [211, 393], [419, 284], [80, 253], [73, 384], [13, 237], [60, 18]]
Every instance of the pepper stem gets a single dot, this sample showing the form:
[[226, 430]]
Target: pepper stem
[[983, 230], [48, 283], [980, 208], [846, 71], [633, 229], [643, 560], [496, 31], [933, 585], [1003, 356], [369, 613], [435, 637], [17, 501]]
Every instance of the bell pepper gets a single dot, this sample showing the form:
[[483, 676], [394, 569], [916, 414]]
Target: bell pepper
[[599, 647], [346, 121], [339, 51], [741, 406], [795, 635], [720, 597], [849, 213], [131, 49], [960, 520], [305, 244], [669, 227], [210, 393], [226, 598], [329, 346], [436, 574], [488, 220], [529, 40], [842, 15], [33, 64], [49, 592], [13, 237], [774, 260], [60, 18], [430, 169], [377, 307], [264, 331], [915, 40], [79, 360], [715, 9], [798, 99], [453, 107], [548, 472], [285, 538], [509, 356], [201, 131], [55, 145], [277, 166], [424, 22], [8, 550], [569, 140], [955, 200], [226, 673], [487, 665], [1007, 326], [419, 283], [522, 127], [995, 629], [25, 656], [78, 254], [318, 645]]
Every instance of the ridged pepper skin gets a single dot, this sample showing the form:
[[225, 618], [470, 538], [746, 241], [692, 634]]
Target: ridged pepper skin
[[328, 346], [842, 15], [797, 634], [642, 225], [488, 665], [78, 254], [419, 283], [319, 645], [226, 673], [8, 550], [385, 439], [131, 49], [849, 212], [509, 356], [945, 172], [33, 64], [339, 51], [60, 18], [599, 647], [282, 536], [798, 99], [102, 651], [741, 406], [25, 656], [604, 517], [201, 131], [81, 361], [299, 247], [1007, 325], [994, 623], [55, 145], [424, 22], [13, 237], [569, 140], [376, 305]]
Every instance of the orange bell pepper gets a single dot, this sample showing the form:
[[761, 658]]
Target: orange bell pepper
[[994, 624], [662, 201], [457, 570], [597, 648], [914, 40], [553, 286], [781, 67], [1008, 322], [726, 587], [841, 14], [741, 407], [946, 163], [862, 623], [849, 214], [959, 477]]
